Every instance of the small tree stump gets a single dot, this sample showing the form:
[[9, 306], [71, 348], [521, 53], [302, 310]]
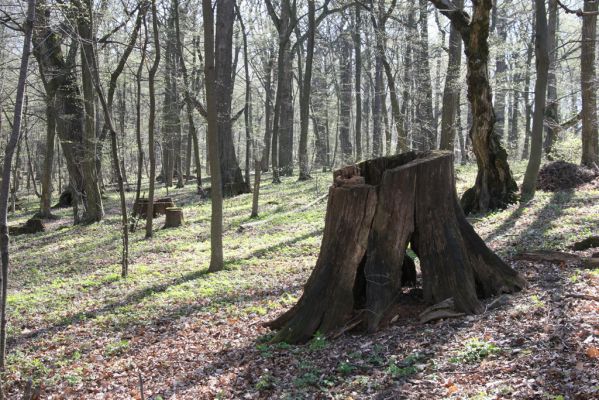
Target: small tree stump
[[174, 217], [33, 225], [375, 210], [140, 208]]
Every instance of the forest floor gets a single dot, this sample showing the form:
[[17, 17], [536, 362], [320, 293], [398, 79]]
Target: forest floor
[[81, 331]]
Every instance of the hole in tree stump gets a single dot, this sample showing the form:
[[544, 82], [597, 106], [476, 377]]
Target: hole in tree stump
[[375, 210]]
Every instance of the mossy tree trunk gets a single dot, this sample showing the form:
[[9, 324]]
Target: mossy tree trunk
[[494, 187]]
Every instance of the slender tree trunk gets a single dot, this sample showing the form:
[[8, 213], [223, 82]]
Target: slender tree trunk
[[46, 200], [358, 81], [152, 121], [268, 110], [305, 94], [248, 101], [588, 82], [6, 171], [345, 97], [552, 103], [425, 90], [513, 135], [188, 103], [536, 146], [451, 92], [500, 26], [140, 152], [224, 39], [527, 103]]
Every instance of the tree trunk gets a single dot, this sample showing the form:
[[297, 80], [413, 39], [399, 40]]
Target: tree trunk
[[140, 152], [189, 106], [527, 103], [588, 82], [152, 120], [495, 187], [345, 97], [268, 109], [375, 210], [6, 171], [232, 181], [451, 92], [500, 25], [551, 111], [426, 119], [46, 199], [305, 94], [94, 209], [213, 49], [536, 146], [358, 81]]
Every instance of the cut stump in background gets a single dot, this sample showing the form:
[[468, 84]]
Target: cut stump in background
[[174, 217], [375, 210]]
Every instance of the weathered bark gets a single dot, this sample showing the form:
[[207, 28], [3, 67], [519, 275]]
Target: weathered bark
[[375, 209], [495, 187], [529, 185], [588, 83], [6, 171], [451, 92]]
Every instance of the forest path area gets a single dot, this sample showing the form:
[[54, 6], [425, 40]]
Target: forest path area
[[81, 331]]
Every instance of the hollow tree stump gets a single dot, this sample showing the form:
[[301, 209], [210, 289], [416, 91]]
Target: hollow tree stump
[[375, 210], [174, 217]]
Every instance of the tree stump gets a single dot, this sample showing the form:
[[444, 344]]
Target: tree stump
[[33, 225], [375, 210], [140, 208], [174, 217]]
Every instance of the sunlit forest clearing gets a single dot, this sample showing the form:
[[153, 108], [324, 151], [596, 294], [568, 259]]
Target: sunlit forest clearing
[[84, 332], [313, 199]]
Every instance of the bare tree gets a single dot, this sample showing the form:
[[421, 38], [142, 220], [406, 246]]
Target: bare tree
[[536, 146], [6, 171]]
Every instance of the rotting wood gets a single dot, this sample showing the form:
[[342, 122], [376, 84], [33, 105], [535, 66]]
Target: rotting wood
[[375, 210]]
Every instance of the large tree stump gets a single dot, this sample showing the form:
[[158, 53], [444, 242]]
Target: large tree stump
[[375, 210]]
